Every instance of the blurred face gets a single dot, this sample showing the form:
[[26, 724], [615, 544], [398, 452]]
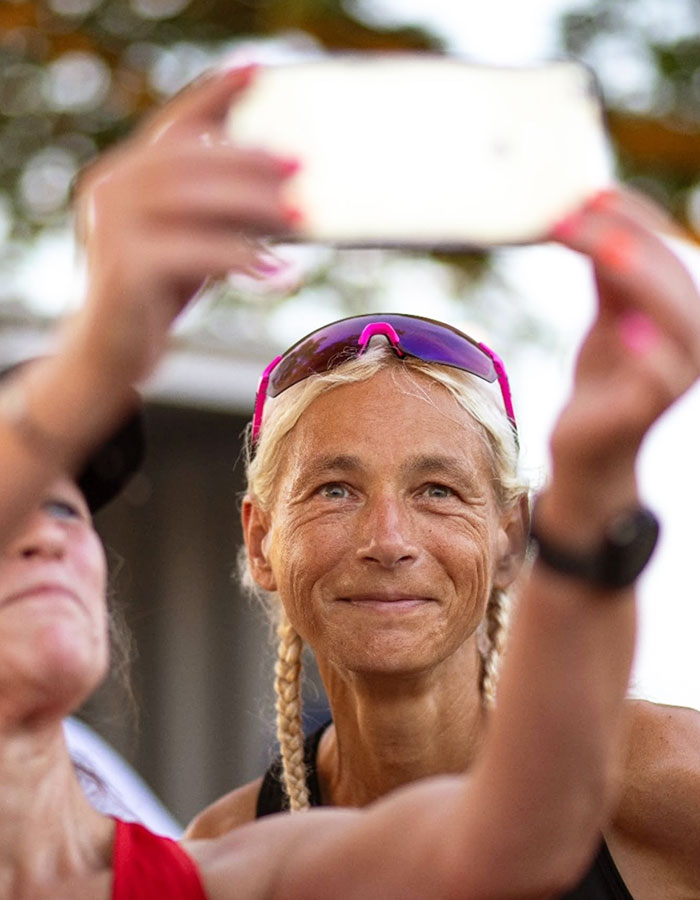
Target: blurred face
[[53, 620], [385, 538]]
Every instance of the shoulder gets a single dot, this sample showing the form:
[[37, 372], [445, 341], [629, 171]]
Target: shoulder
[[226, 813], [659, 807], [654, 721], [663, 747]]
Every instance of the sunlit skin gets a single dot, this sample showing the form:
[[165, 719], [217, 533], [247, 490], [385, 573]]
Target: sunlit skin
[[53, 620], [384, 537], [384, 543]]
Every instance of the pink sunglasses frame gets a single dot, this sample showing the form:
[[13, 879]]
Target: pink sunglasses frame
[[386, 330]]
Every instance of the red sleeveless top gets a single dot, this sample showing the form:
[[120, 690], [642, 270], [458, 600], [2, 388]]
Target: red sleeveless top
[[148, 866]]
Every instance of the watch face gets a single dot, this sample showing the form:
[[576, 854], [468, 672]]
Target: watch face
[[629, 543], [625, 550]]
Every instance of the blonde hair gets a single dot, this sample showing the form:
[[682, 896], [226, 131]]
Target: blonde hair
[[485, 406]]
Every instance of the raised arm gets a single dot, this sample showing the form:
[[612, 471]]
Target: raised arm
[[157, 216], [559, 724], [526, 821], [641, 353]]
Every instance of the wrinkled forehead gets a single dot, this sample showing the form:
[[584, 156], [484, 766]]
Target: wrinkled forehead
[[403, 393], [384, 419]]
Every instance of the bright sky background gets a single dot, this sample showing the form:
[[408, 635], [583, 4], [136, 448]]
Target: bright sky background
[[497, 31]]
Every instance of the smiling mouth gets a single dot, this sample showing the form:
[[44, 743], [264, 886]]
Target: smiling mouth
[[387, 603]]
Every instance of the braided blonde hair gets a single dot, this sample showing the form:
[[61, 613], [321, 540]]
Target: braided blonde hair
[[281, 414], [495, 626], [290, 733]]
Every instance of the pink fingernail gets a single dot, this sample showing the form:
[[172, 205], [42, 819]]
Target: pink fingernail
[[241, 76], [567, 227], [288, 165], [617, 249], [269, 267], [293, 215], [638, 333], [603, 199]]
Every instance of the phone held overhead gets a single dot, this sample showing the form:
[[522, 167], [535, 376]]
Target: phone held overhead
[[423, 150]]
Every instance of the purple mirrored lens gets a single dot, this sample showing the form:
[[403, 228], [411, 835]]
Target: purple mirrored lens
[[329, 346], [318, 352], [439, 344]]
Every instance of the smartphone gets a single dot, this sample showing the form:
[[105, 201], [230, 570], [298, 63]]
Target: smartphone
[[428, 151]]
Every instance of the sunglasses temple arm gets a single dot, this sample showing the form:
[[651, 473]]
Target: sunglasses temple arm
[[261, 396], [502, 383]]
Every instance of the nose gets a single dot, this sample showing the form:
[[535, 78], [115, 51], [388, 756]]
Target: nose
[[42, 537], [388, 536]]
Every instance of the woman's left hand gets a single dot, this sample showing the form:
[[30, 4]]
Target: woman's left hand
[[642, 351]]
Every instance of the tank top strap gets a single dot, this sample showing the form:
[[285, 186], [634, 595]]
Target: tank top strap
[[602, 881], [271, 797]]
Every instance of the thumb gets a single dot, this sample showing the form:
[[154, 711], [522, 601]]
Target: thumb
[[203, 103]]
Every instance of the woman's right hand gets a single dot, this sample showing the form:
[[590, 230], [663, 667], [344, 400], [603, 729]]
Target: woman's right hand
[[173, 205]]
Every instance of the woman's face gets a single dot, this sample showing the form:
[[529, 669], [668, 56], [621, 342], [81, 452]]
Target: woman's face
[[385, 538], [53, 618]]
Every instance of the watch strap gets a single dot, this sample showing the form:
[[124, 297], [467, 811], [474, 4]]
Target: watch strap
[[616, 562]]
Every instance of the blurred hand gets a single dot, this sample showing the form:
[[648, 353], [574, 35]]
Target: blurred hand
[[642, 351], [172, 206]]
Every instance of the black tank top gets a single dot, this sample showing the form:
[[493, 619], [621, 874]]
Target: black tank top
[[601, 882]]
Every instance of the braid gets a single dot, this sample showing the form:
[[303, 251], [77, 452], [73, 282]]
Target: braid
[[497, 614], [290, 733]]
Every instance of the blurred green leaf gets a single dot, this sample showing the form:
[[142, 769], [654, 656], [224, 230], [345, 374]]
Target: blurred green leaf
[[654, 113]]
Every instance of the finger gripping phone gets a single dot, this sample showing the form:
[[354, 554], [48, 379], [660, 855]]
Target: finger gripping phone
[[420, 150]]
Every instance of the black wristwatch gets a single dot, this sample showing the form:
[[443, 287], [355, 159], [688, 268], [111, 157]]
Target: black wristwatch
[[627, 545]]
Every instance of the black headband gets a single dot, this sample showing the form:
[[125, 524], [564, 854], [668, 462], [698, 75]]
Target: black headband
[[111, 466]]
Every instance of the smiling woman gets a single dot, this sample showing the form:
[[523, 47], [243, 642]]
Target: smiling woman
[[414, 498]]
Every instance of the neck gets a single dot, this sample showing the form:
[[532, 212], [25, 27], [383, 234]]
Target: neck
[[389, 729], [49, 834]]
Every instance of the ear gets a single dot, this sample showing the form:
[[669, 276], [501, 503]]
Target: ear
[[256, 529], [512, 543]]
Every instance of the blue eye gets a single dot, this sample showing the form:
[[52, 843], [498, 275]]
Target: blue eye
[[61, 509], [438, 491], [335, 490]]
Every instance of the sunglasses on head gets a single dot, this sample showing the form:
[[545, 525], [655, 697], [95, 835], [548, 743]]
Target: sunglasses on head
[[425, 339]]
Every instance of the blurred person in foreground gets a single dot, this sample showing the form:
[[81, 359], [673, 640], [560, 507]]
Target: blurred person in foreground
[[110, 784], [161, 213]]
